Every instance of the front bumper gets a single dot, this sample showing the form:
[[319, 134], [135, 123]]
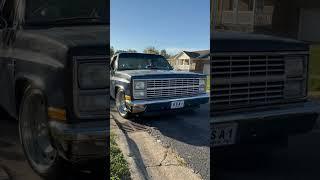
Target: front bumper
[[81, 142], [268, 124], [154, 106]]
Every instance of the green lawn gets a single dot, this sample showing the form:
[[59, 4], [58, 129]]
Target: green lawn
[[119, 167], [314, 75]]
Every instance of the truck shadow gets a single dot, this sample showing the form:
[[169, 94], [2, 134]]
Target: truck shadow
[[254, 163], [193, 130], [190, 127]]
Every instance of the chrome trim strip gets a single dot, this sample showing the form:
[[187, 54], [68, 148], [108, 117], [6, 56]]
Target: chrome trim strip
[[173, 87], [146, 102], [299, 108]]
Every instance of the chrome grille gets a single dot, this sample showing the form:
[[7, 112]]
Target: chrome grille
[[235, 66], [246, 80], [172, 88]]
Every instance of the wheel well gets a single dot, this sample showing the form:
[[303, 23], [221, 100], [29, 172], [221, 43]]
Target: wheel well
[[20, 87], [116, 91]]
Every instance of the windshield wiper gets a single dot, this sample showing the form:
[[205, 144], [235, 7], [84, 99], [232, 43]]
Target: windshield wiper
[[72, 19]]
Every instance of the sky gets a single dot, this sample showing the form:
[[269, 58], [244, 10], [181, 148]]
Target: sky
[[174, 25]]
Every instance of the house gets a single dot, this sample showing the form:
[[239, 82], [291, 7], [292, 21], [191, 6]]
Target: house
[[193, 61], [289, 18]]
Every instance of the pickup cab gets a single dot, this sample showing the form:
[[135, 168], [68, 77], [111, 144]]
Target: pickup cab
[[146, 84], [259, 89], [54, 80]]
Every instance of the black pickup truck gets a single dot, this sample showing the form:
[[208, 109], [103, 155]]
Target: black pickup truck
[[146, 84], [54, 79], [258, 89]]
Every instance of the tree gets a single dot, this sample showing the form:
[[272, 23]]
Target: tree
[[112, 51], [164, 53], [151, 50], [131, 50]]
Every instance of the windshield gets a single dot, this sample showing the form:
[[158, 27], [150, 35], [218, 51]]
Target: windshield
[[67, 11], [142, 61]]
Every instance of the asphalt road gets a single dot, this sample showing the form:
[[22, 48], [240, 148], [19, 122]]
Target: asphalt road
[[187, 133], [12, 159], [298, 160]]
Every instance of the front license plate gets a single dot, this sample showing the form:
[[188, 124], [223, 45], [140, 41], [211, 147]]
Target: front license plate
[[177, 104], [224, 134]]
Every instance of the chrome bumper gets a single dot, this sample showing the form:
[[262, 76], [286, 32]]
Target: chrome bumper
[[139, 106], [308, 107]]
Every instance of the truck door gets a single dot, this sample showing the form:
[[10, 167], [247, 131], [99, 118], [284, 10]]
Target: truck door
[[7, 63]]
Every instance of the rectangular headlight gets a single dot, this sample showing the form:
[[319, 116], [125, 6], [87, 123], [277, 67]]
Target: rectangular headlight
[[93, 76], [295, 89], [202, 85], [94, 103], [139, 85], [138, 94], [295, 66]]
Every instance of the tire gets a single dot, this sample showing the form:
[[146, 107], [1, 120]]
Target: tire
[[35, 137], [121, 106]]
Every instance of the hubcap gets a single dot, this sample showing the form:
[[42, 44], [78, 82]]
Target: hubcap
[[35, 133], [121, 104]]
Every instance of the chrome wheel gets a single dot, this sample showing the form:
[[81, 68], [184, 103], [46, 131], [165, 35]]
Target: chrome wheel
[[34, 133], [121, 104]]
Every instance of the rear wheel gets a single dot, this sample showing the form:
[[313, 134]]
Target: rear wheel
[[121, 104], [35, 136]]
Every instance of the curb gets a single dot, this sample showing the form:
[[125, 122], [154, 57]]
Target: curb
[[3, 174], [135, 172]]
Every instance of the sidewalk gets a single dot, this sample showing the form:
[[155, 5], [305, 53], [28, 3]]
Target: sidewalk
[[148, 159]]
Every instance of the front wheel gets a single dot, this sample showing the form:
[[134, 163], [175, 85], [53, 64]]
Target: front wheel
[[35, 136], [121, 104]]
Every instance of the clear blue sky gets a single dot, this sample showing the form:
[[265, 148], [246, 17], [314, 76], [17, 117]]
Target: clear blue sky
[[173, 25]]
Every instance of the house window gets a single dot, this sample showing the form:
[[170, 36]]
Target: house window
[[246, 5], [186, 62]]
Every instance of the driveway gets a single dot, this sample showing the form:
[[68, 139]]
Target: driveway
[[298, 160], [187, 133]]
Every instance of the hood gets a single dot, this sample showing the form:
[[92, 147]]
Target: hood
[[146, 74], [58, 42], [247, 42]]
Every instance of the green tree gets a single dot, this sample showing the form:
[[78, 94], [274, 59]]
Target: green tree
[[112, 51], [151, 50], [131, 50], [164, 53]]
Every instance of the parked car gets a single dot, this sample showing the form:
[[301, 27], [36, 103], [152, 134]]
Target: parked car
[[143, 84], [259, 89], [53, 79]]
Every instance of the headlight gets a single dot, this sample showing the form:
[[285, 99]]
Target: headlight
[[202, 85], [202, 82], [139, 85], [93, 76], [295, 89], [295, 66], [138, 94], [93, 103]]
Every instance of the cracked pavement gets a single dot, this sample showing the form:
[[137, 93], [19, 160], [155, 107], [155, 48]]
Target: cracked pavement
[[183, 139]]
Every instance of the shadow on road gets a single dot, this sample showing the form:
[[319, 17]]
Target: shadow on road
[[190, 127]]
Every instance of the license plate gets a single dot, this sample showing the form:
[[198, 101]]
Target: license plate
[[224, 134], [177, 104]]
